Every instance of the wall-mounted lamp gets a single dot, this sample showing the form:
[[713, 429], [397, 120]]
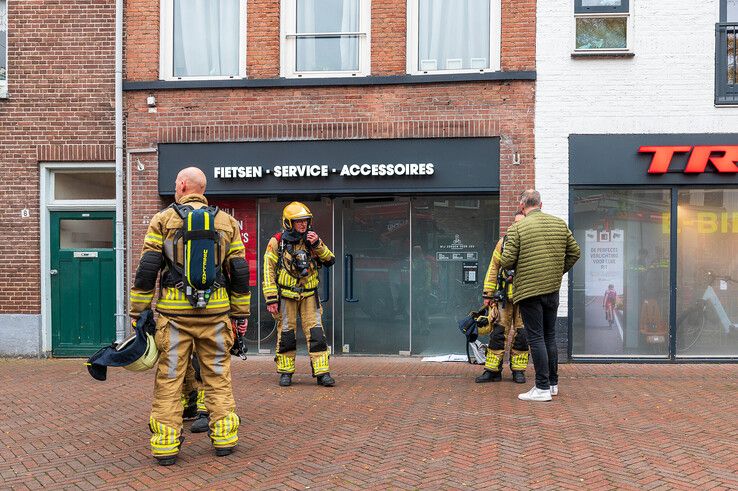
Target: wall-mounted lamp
[[151, 101]]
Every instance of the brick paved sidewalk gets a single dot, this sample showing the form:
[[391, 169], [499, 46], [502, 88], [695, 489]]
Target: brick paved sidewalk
[[388, 424]]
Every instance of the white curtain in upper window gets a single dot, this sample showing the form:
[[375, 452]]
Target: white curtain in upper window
[[453, 34], [206, 38], [335, 53]]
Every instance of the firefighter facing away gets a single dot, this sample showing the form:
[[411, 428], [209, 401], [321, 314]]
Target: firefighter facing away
[[498, 291], [292, 261], [204, 288]]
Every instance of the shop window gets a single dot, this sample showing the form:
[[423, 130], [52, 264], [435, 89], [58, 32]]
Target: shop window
[[3, 48], [452, 247], [621, 293], [602, 25], [203, 39], [707, 273], [453, 36], [323, 38]]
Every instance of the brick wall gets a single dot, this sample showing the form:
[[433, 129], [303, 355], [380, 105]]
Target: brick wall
[[490, 108], [61, 88]]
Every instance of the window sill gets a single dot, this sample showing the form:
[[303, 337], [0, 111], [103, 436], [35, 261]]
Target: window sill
[[328, 82], [603, 54]]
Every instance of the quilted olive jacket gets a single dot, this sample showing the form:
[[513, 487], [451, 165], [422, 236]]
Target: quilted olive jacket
[[540, 248]]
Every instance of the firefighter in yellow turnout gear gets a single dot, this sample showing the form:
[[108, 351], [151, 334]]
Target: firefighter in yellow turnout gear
[[498, 289], [292, 261], [198, 320]]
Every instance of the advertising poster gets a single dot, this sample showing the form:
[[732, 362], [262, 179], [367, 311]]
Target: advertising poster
[[603, 256], [244, 211]]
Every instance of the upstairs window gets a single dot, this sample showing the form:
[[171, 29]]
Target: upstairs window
[[325, 38], [726, 59], [3, 48], [453, 36], [203, 39], [602, 25]]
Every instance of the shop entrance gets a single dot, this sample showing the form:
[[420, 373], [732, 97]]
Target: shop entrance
[[407, 268], [375, 281]]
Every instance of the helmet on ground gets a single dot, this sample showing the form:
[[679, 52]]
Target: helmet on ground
[[295, 211]]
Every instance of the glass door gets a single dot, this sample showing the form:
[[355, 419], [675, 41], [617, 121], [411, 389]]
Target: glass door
[[374, 264]]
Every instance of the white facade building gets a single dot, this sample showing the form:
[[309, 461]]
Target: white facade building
[[649, 70]]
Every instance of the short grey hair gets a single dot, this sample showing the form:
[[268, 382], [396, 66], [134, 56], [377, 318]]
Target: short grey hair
[[530, 198]]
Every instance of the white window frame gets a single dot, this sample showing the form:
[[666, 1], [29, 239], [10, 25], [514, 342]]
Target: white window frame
[[166, 44], [413, 32], [288, 43], [47, 205], [628, 15], [4, 83]]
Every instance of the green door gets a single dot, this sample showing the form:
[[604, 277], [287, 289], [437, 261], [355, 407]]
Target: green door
[[82, 282]]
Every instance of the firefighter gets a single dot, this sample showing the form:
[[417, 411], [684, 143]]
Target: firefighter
[[193, 398], [292, 261], [191, 318], [498, 290]]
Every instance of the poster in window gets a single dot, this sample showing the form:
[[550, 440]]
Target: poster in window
[[603, 261], [244, 211]]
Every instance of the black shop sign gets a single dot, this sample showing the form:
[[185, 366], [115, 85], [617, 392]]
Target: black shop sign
[[336, 167]]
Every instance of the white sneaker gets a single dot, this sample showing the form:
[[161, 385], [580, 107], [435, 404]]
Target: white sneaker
[[536, 394], [554, 390]]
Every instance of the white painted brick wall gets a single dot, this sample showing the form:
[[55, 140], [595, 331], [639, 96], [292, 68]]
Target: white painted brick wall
[[668, 87]]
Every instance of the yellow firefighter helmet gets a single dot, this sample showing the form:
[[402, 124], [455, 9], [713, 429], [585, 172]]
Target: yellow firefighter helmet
[[295, 211]]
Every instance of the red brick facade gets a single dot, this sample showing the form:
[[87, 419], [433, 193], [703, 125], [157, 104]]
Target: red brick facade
[[60, 108], [487, 108]]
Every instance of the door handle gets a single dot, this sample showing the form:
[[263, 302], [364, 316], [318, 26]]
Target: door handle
[[54, 272], [348, 278], [326, 287]]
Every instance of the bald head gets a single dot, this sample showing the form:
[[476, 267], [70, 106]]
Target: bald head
[[189, 181]]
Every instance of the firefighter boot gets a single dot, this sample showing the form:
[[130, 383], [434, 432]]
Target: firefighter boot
[[285, 380], [518, 376], [222, 452], [326, 380], [168, 460], [201, 424], [190, 406], [489, 376]]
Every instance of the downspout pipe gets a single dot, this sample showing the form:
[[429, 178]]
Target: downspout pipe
[[120, 313]]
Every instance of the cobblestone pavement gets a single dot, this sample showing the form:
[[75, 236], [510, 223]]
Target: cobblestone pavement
[[390, 423]]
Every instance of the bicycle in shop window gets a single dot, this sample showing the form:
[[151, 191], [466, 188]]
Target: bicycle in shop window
[[705, 322]]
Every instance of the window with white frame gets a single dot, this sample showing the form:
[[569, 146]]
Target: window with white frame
[[3, 48], [453, 36], [602, 25], [203, 39], [325, 38]]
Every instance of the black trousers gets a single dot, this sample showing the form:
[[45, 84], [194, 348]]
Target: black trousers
[[539, 317]]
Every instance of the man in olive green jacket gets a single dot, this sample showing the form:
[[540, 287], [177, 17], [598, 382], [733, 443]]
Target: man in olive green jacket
[[541, 249]]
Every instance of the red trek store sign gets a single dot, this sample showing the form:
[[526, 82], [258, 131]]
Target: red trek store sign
[[723, 157]]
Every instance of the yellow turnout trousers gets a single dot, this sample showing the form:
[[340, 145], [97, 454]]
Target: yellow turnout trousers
[[509, 318], [310, 312], [193, 386], [211, 338]]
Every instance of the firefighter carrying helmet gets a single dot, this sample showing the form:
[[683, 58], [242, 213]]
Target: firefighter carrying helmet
[[137, 353], [295, 211]]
